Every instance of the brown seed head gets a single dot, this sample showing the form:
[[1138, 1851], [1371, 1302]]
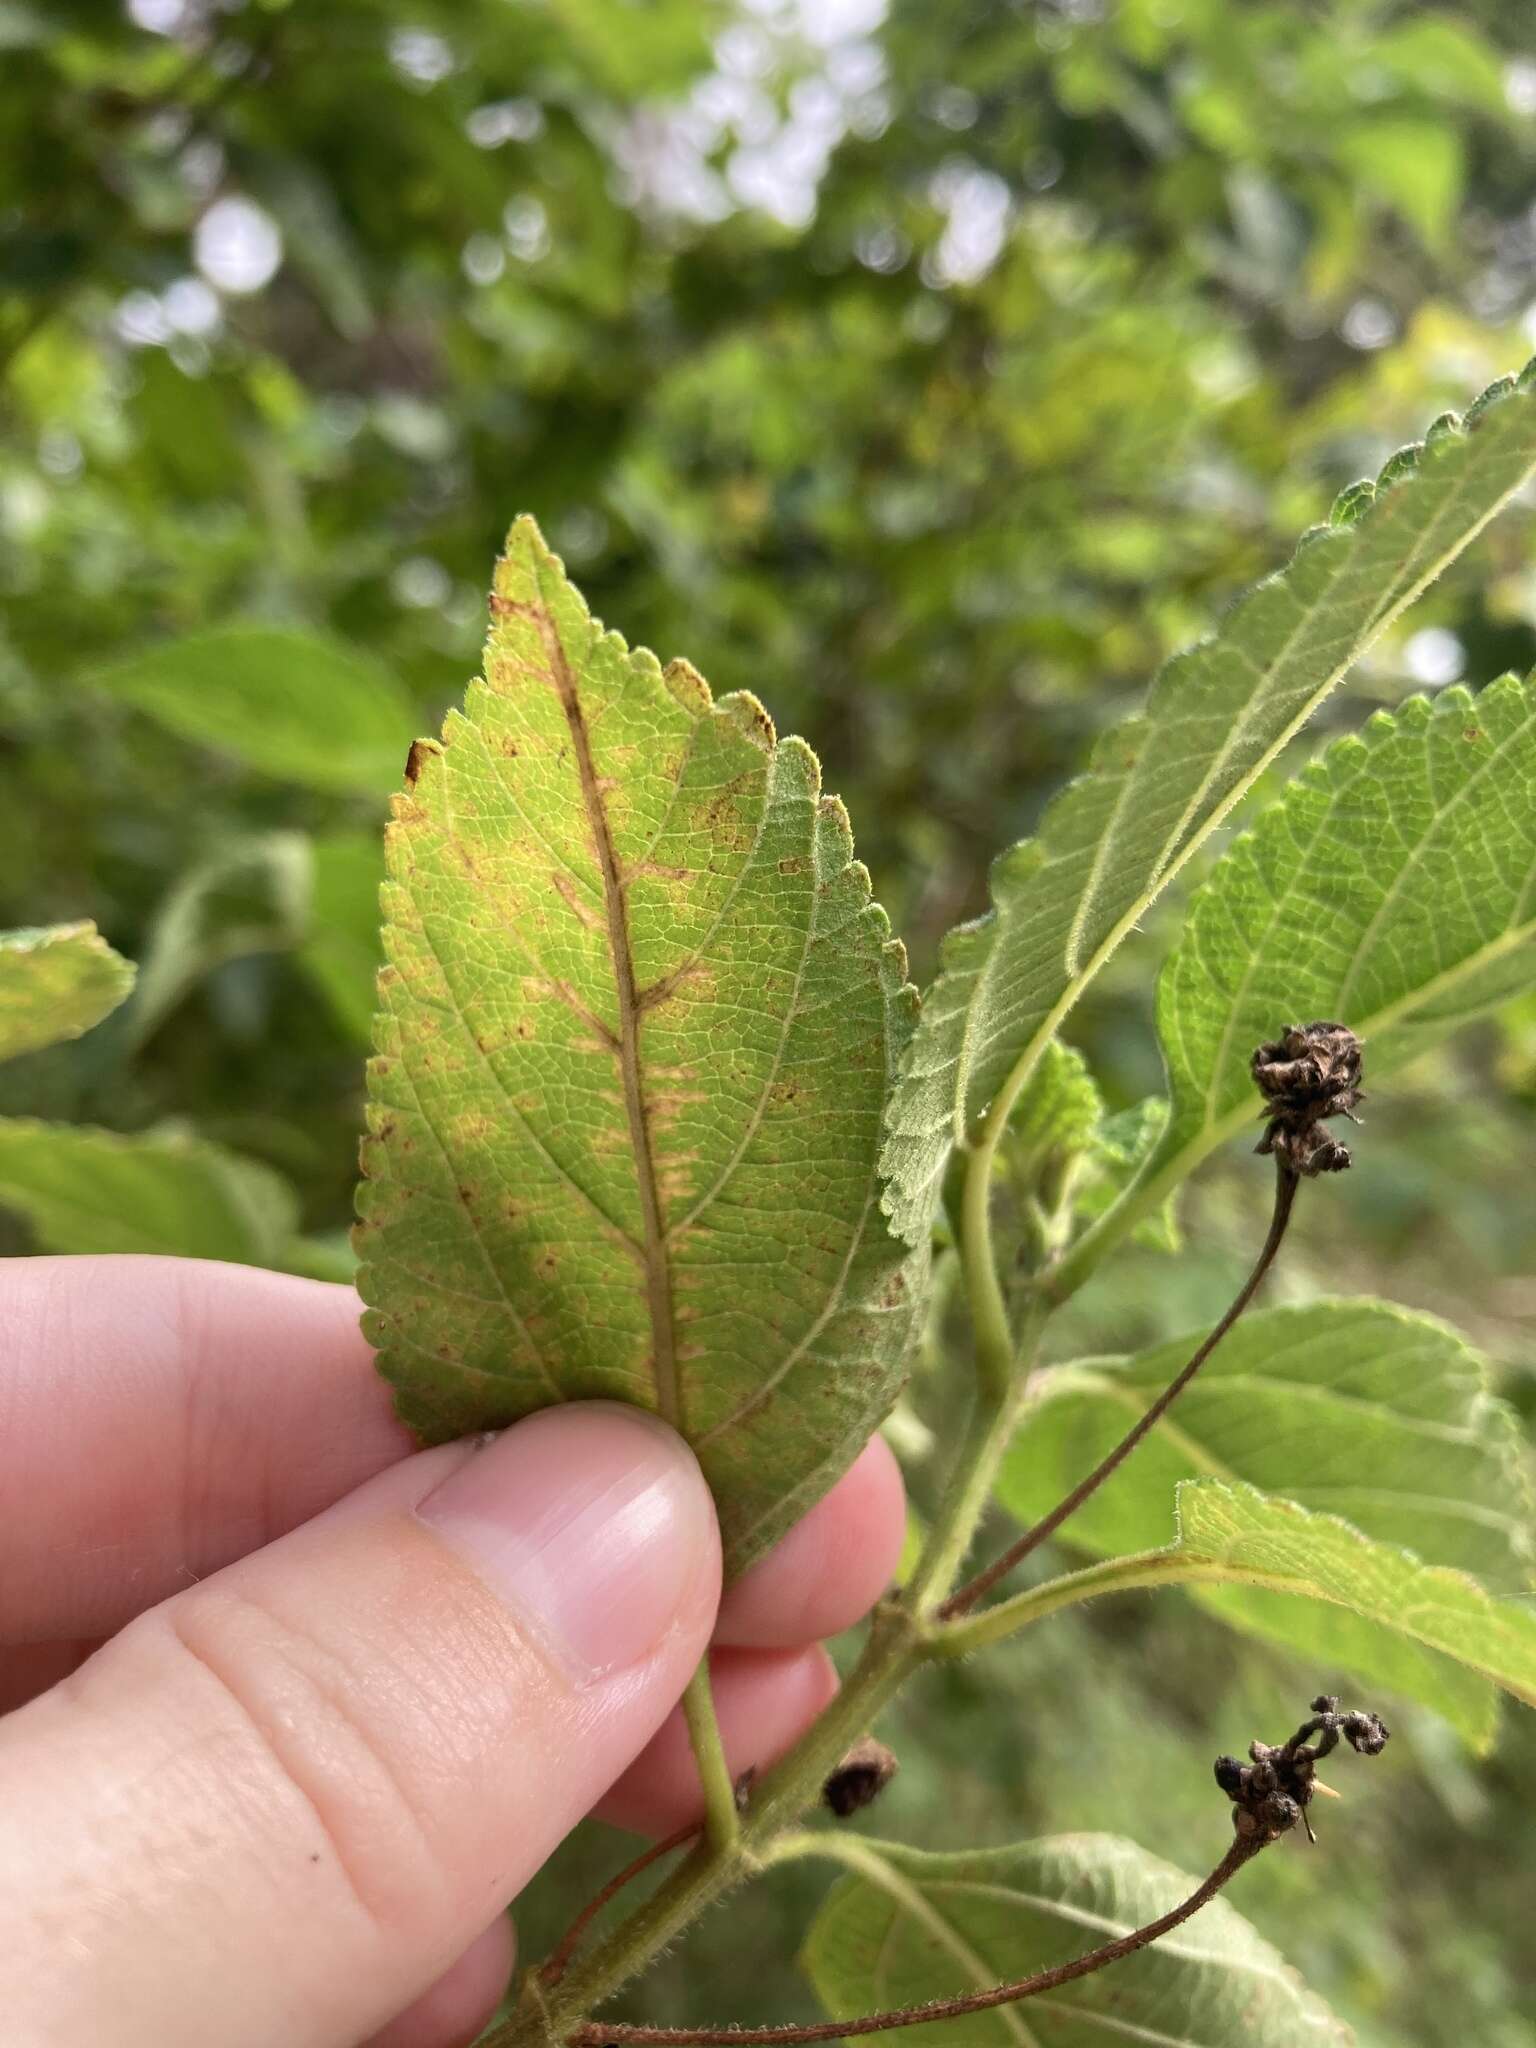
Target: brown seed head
[[1310, 1072]]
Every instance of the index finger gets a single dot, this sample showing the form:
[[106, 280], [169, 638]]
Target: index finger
[[160, 1418]]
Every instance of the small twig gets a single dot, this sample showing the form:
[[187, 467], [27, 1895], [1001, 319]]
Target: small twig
[[961, 1602], [1311, 1072], [1269, 1796], [558, 1960], [593, 2034]]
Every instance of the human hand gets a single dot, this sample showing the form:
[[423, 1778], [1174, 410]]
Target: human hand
[[296, 1710]]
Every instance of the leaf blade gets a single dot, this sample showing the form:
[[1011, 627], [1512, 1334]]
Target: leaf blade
[[920, 1926], [1350, 1408], [86, 1190], [1155, 790], [57, 982], [1393, 885], [297, 706], [636, 1035]]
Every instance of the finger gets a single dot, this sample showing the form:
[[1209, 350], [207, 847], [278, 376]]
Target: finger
[[764, 1701], [26, 1669], [830, 1569], [279, 1806], [823, 1577], [161, 1417], [456, 2009]]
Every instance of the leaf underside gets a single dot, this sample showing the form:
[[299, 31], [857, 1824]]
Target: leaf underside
[[1392, 886], [1352, 1408], [1159, 785], [923, 1927], [55, 983], [637, 1029], [1234, 1535]]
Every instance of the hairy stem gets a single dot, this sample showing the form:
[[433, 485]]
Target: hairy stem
[[1286, 1183], [1243, 1850], [983, 1285], [722, 1822], [1143, 1571], [555, 1966], [894, 1650]]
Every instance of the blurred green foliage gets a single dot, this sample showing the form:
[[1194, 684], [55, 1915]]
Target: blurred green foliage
[[933, 372]]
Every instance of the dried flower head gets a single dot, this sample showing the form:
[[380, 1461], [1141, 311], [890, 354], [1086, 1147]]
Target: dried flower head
[[1270, 1794], [860, 1778], [1310, 1072]]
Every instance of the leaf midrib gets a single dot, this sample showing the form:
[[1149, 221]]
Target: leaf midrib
[[1174, 861], [658, 1277]]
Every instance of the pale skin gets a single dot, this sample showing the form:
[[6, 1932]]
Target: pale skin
[[292, 1711]]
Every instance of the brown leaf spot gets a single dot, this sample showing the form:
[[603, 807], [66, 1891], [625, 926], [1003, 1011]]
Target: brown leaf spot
[[1473, 732], [421, 751]]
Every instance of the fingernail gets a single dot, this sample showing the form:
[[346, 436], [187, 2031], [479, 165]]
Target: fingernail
[[593, 1522]]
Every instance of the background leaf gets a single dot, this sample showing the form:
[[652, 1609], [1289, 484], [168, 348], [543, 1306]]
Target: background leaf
[[637, 1031], [56, 983], [295, 705], [1158, 786], [1234, 1535], [1354, 1408], [85, 1190], [342, 951], [922, 1927], [1393, 887]]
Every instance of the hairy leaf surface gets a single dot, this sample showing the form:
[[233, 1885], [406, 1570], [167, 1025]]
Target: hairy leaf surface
[[1157, 787], [1393, 887], [920, 1927], [55, 983], [1233, 1535], [1354, 1408], [638, 1026], [85, 1190]]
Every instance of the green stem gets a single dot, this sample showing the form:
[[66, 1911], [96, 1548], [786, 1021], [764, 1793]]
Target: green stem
[[978, 1265], [1115, 1575], [722, 1822], [994, 1418], [549, 2015]]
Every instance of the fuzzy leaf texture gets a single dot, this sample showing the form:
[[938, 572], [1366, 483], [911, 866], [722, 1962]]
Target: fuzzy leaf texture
[[1233, 1535], [1393, 887], [1159, 785], [922, 1927], [55, 983], [1354, 1408], [637, 1031]]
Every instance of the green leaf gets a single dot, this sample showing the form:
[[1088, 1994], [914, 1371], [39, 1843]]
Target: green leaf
[[252, 896], [1121, 1148], [1159, 786], [1234, 1535], [1393, 886], [342, 952], [85, 1190], [1417, 167], [1059, 1114], [636, 1039], [1354, 1408], [911, 1928], [295, 705], [55, 983]]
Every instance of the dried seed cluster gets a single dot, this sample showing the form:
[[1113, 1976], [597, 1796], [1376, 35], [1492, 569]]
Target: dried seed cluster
[[1310, 1072], [1270, 1794]]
